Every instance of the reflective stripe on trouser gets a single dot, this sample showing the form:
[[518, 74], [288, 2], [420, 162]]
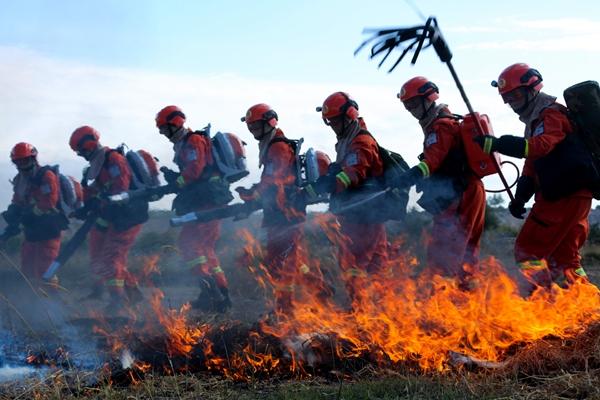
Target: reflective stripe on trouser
[[354, 273], [533, 265], [119, 283], [304, 269], [572, 275], [108, 253], [36, 257], [198, 261], [536, 272]]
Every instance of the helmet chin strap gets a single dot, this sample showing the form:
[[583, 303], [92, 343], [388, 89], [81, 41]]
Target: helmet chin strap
[[90, 155], [175, 134], [426, 110], [530, 97], [30, 169], [346, 128], [265, 131]]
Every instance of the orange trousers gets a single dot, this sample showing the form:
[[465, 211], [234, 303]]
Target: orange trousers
[[36, 257], [287, 262], [197, 244], [282, 259], [456, 233], [547, 248], [108, 253], [364, 254]]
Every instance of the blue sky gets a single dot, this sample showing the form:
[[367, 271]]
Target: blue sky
[[271, 39], [113, 64]]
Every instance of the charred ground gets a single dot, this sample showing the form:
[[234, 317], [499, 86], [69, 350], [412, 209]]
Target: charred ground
[[545, 371]]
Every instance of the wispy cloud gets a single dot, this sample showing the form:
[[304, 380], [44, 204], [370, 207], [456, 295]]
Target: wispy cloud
[[45, 99], [589, 43], [560, 34]]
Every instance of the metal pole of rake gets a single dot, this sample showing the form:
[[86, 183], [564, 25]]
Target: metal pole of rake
[[395, 37]]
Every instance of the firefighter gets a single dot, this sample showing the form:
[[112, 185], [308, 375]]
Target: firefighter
[[283, 210], [356, 169], [200, 187], [547, 248], [36, 207], [452, 193], [116, 226]]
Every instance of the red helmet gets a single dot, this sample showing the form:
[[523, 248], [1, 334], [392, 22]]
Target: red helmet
[[518, 75], [337, 104], [170, 115], [84, 138], [418, 86], [22, 150], [261, 111]]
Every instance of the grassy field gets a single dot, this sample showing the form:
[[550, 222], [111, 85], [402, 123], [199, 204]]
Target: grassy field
[[249, 304]]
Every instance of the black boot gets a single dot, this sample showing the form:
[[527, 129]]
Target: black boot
[[134, 294], [225, 304], [205, 300], [117, 302], [96, 294]]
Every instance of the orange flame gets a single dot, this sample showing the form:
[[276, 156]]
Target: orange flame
[[423, 319], [400, 318]]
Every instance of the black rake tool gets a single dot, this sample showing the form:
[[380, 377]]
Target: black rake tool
[[384, 41]]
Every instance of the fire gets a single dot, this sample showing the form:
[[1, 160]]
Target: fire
[[181, 336], [401, 319], [406, 319], [150, 267]]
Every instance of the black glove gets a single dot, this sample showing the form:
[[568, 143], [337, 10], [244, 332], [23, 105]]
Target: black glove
[[81, 213], [408, 179], [170, 175], [10, 231], [92, 204], [325, 184], [512, 146], [28, 218], [13, 214], [247, 195], [517, 209], [334, 168], [525, 190]]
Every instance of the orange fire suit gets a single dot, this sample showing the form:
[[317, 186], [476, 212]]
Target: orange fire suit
[[109, 247], [197, 241], [286, 256], [40, 194], [365, 252], [457, 229], [547, 247]]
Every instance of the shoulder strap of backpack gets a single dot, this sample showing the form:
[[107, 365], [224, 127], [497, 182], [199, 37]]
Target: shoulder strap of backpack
[[559, 107], [366, 132], [37, 179], [448, 115], [291, 142]]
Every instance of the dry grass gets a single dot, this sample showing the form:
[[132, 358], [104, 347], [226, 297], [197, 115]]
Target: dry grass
[[549, 369]]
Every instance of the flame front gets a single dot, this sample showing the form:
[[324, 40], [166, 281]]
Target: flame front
[[401, 319]]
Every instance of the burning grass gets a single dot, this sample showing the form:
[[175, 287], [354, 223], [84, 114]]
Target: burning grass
[[415, 335], [407, 324]]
